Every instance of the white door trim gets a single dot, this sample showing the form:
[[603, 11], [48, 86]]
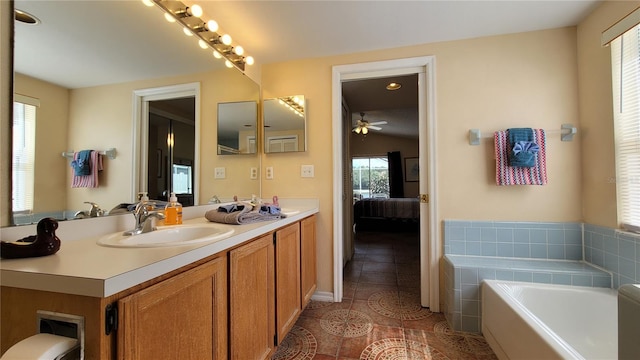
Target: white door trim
[[429, 244], [141, 100]]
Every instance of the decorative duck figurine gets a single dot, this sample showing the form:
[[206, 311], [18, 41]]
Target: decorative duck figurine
[[44, 243]]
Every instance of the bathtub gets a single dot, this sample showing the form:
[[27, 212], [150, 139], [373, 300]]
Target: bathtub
[[543, 321]]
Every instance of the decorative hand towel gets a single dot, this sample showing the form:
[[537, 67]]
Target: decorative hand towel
[[230, 208], [247, 215], [81, 163], [518, 140], [269, 210], [512, 175], [91, 180]]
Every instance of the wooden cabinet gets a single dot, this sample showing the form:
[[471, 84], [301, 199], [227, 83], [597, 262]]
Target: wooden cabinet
[[251, 300], [183, 317], [308, 268], [288, 304]]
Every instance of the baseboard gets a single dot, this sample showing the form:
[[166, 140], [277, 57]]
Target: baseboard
[[324, 296]]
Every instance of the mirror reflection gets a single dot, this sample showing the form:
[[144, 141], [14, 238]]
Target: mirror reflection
[[285, 124], [237, 122], [89, 106]]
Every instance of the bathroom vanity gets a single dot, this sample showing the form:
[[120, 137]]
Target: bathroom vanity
[[233, 298]]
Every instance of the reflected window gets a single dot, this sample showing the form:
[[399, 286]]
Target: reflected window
[[23, 159], [182, 179], [370, 177]]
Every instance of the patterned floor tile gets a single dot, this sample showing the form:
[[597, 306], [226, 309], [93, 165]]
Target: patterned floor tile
[[353, 347]]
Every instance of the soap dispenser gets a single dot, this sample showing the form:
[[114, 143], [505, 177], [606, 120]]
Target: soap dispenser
[[173, 211]]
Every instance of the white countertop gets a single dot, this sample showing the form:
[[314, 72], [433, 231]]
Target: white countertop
[[83, 267]]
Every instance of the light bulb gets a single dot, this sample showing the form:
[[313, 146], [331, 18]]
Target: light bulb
[[202, 44], [186, 31], [228, 64], [196, 10], [357, 130], [238, 50], [249, 60], [169, 18], [280, 101], [217, 55], [147, 2], [212, 25], [365, 130], [226, 39]]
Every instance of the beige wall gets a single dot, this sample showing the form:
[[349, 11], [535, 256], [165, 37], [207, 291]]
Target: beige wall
[[596, 110], [6, 89], [490, 83], [52, 119], [375, 144]]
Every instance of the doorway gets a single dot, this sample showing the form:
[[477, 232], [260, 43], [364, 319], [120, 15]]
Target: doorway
[[423, 67], [152, 109]]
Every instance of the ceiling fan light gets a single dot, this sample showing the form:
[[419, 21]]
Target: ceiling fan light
[[365, 130], [357, 130]]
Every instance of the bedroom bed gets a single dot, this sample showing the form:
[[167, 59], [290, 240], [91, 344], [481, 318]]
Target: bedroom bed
[[394, 214]]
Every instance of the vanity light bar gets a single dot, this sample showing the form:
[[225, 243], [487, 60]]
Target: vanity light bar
[[294, 103], [190, 17]]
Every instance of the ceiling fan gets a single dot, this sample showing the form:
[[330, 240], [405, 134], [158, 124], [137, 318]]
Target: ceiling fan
[[363, 126]]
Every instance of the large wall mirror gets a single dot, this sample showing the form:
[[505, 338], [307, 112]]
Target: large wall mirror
[[98, 53], [285, 124], [237, 123]]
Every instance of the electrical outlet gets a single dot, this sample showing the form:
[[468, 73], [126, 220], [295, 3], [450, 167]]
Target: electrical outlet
[[219, 173], [254, 173], [269, 172], [306, 171]]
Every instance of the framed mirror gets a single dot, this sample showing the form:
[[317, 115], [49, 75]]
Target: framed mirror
[[285, 124], [237, 125], [84, 92]]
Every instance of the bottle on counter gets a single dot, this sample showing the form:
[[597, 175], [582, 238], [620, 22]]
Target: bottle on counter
[[173, 211]]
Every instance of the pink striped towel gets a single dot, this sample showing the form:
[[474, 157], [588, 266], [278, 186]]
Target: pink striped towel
[[91, 180], [509, 175]]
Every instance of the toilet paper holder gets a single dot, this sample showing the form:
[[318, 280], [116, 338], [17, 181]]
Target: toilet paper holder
[[68, 325]]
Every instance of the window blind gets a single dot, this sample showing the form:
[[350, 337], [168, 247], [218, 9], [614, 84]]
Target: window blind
[[23, 157], [625, 59]]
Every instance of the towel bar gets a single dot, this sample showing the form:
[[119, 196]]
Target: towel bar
[[110, 153], [567, 131]]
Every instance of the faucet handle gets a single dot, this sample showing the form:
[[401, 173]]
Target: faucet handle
[[95, 209]]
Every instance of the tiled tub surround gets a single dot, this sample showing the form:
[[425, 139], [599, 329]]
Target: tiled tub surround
[[517, 251]]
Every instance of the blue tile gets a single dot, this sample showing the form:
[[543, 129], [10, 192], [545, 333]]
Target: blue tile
[[627, 249], [470, 292], [522, 276], [625, 280], [597, 257], [473, 248], [504, 275], [471, 324], [573, 237], [521, 236], [505, 250], [556, 237], [469, 276], [481, 224], [488, 235], [504, 224], [489, 249], [627, 268], [486, 274], [597, 241], [538, 236], [611, 262], [587, 255], [455, 233], [573, 226], [562, 279], [521, 250], [573, 252], [539, 251], [472, 234], [505, 235], [581, 280], [457, 247], [602, 281], [556, 252], [542, 278], [470, 308], [457, 300], [611, 245]]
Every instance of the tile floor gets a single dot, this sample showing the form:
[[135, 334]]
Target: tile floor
[[380, 316]]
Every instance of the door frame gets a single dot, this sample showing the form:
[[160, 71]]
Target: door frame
[[430, 245], [141, 99]]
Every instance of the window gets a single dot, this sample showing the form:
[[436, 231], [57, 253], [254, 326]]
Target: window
[[182, 179], [23, 159], [625, 60], [370, 177]]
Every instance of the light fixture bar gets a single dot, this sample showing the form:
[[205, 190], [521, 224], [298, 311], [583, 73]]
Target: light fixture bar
[[199, 28]]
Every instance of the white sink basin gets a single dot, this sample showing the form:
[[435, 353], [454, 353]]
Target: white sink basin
[[168, 236]]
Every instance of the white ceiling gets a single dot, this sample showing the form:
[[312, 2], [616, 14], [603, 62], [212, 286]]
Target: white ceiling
[[86, 43]]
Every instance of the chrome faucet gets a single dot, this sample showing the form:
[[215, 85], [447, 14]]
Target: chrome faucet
[[145, 218], [95, 211], [214, 200]]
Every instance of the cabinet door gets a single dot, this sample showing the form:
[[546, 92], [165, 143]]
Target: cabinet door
[[183, 317], [251, 287], [288, 304], [308, 258]]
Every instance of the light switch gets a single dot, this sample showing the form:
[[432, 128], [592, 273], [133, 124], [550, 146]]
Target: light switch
[[269, 173], [306, 171], [219, 173]]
